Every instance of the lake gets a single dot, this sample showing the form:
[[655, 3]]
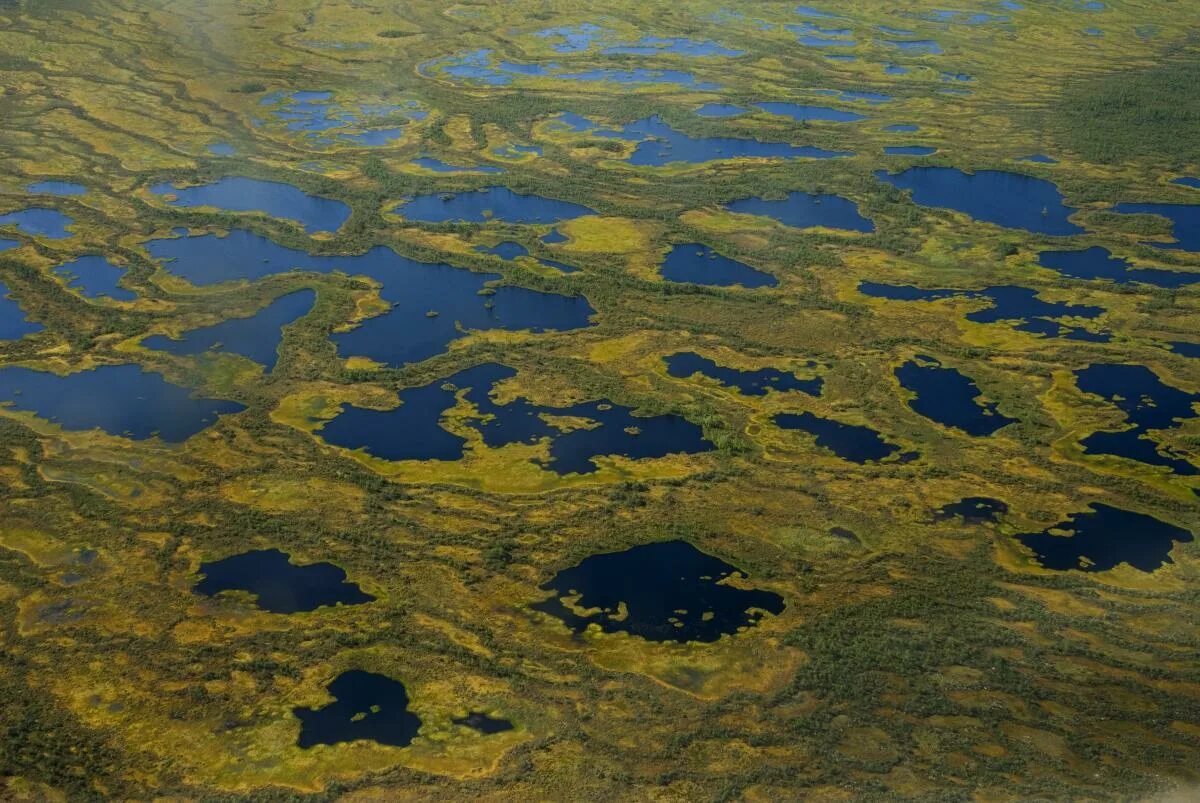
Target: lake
[[122, 400], [95, 277], [948, 397], [366, 706], [13, 323], [972, 510], [805, 210], [38, 221], [668, 591], [852, 442], [802, 112], [992, 196], [483, 723], [698, 264], [278, 585], [1103, 538], [751, 383], [493, 203], [1099, 263], [67, 188], [274, 198], [1185, 222]]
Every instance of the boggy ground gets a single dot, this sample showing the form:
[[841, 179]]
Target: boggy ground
[[917, 656]]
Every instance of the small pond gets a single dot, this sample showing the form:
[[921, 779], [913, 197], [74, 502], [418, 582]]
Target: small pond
[[698, 264], [493, 203], [366, 706], [806, 210], [13, 323], [95, 277], [1099, 263], [39, 222], [483, 723], [948, 397], [852, 442], [751, 383], [972, 510], [57, 188], [280, 586]]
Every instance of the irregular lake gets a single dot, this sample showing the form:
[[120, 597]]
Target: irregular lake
[[406, 333], [1038, 158], [1103, 538], [751, 383], [1099, 263], [95, 277], [39, 222], [852, 442], [480, 67], [322, 121], [279, 585], [1020, 305], [1187, 181], [57, 188], [993, 196], [1185, 222], [668, 591], [13, 323], [972, 510], [698, 264], [366, 706], [805, 210], [1186, 349], [413, 431], [509, 250], [122, 400], [799, 111], [493, 203], [257, 337], [1148, 403], [948, 397], [240, 194], [483, 723]]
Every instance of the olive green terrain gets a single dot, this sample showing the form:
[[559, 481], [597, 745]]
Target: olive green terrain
[[921, 659]]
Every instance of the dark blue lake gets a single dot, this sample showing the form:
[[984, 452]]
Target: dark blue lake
[[852, 442], [1148, 403], [993, 196], [1020, 305], [13, 324], [279, 585], [1185, 222], [1099, 263], [366, 706], [57, 188], [1187, 181], [406, 333], [257, 337], [413, 431], [493, 203], [483, 723], [1103, 538], [972, 510], [39, 222], [668, 591], [948, 397], [805, 210], [751, 383], [95, 277], [1186, 349], [6, 245], [122, 400], [799, 111], [240, 194], [511, 250], [698, 264]]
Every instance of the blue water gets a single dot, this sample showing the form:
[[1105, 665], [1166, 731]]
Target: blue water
[[95, 277], [119, 399], [405, 333], [493, 203], [909, 150], [239, 194], [1038, 158], [902, 128], [57, 188], [1008, 303], [961, 77], [257, 337], [993, 196], [483, 723], [222, 149], [553, 237], [1185, 220], [666, 591], [809, 11], [13, 324], [316, 116], [1103, 538], [918, 46], [890, 31], [279, 586], [948, 397], [720, 110], [39, 222], [438, 166], [366, 706], [1148, 403], [805, 210], [698, 264], [641, 76], [1093, 32], [512, 250], [7, 245], [809, 40], [972, 510], [1186, 349], [572, 39], [1009, 5], [851, 442], [478, 67], [751, 383], [1099, 263], [412, 430], [1187, 181], [841, 57], [798, 111], [517, 151], [896, 69], [672, 45]]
